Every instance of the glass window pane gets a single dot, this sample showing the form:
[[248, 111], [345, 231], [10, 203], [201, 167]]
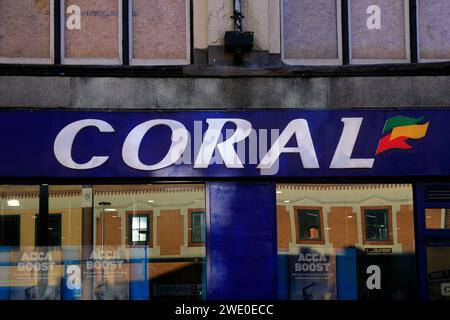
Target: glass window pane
[[143, 223], [438, 267], [437, 218], [25, 29], [309, 224], [359, 225], [19, 210], [198, 227], [378, 30], [434, 29], [376, 223], [135, 235], [311, 31], [135, 223], [97, 34], [150, 235], [160, 30]]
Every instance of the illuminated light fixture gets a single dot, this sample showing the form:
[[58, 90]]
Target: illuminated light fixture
[[287, 201], [151, 201], [349, 217], [13, 203], [428, 217], [279, 192], [327, 228], [110, 210]]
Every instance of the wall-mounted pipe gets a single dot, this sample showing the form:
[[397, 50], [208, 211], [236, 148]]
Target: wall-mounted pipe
[[238, 41], [237, 16]]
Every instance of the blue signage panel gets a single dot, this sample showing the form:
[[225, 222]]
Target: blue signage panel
[[288, 143]]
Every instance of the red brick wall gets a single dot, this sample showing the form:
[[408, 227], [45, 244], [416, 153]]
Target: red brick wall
[[283, 228], [433, 218], [113, 230], [343, 231], [405, 225], [170, 232]]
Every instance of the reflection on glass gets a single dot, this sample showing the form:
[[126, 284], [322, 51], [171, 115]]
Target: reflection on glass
[[114, 242], [438, 266], [376, 222], [27, 271], [437, 218], [331, 235]]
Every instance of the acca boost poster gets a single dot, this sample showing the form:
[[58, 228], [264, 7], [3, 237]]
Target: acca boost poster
[[312, 275]]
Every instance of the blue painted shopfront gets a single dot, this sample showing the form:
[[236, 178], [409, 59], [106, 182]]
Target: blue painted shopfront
[[241, 246]]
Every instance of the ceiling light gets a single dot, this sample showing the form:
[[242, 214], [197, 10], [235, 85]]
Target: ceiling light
[[151, 201], [110, 210], [287, 201], [279, 192], [13, 203]]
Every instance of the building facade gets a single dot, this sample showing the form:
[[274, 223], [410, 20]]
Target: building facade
[[149, 153]]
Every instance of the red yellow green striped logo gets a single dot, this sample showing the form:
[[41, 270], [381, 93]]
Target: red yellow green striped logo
[[398, 130]]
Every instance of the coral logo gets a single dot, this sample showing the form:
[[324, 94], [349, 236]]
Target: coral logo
[[398, 130]]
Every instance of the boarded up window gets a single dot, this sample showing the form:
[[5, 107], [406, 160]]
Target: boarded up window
[[434, 29], [311, 31], [379, 30], [25, 30], [160, 31], [98, 34]]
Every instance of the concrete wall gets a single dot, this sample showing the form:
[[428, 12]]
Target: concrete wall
[[224, 93]]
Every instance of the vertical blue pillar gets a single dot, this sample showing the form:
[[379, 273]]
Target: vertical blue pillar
[[241, 241], [347, 285]]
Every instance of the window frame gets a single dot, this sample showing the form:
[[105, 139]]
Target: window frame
[[41, 61], [91, 61], [159, 62], [129, 233], [321, 239], [390, 240], [191, 243], [406, 13], [314, 62]]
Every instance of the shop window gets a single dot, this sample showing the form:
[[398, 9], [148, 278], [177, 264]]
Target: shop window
[[26, 31], [100, 242], [438, 269], [91, 32], [159, 32], [54, 230], [309, 225], [311, 32], [359, 226], [139, 228], [379, 31], [10, 231], [433, 30], [376, 225], [197, 227]]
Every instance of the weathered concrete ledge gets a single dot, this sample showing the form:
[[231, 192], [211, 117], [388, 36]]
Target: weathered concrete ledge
[[224, 93]]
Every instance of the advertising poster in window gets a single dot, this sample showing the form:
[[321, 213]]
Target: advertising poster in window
[[313, 275], [108, 271], [35, 274]]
